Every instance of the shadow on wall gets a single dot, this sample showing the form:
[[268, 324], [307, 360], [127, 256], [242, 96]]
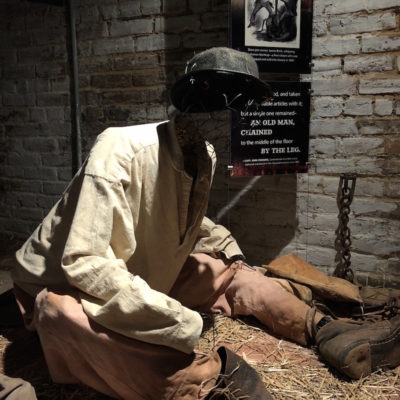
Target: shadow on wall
[[260, 211]]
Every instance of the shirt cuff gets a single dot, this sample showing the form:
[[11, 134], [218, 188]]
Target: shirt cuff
[[190, 330]]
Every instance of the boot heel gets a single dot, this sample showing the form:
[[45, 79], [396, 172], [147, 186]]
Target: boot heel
[[357, 362]]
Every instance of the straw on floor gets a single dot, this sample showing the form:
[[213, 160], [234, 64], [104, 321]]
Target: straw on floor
[[289, 371]]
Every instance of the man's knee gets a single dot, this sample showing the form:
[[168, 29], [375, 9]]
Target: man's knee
[[52, 306]]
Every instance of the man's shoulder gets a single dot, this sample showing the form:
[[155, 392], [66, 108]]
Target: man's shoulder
[[115, 148], [134, 136]]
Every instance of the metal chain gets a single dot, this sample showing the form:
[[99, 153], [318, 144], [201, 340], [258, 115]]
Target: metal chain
[[345, 196]]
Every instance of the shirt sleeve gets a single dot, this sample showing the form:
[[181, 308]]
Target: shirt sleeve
[[215, 239], [111, 295]]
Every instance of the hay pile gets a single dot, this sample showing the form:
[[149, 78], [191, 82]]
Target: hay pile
[[293, 372], [289, 371]]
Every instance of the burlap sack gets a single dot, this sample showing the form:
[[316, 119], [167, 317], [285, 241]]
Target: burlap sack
[[294, 268], [378, 297]]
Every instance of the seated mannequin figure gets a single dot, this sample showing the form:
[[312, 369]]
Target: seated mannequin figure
[[115, 276]]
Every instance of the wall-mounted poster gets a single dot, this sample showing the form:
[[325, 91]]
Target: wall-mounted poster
[[274, 138], [277, 33]]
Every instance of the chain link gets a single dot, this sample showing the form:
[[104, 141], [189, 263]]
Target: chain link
[[345, 196]]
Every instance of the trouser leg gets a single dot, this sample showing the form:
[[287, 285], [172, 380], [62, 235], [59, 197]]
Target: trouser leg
[[15, 389], [250, 293], [78, 350], [209, 284]]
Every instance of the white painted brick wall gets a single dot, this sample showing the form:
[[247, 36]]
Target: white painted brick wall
[[368, 187], [320, 27], [350, 6], [327, 74], [379, 126], [112, 46], [379, 86], [393, 267], [358, 105], [347, 24], [335, 86], [178, 24], [157, 42], [328, 106], [324, 146], [129, 9], [367, 263], [127, 28], [371, 146], [335, 47], [357, 64], [375, 245], [333, 127], [330, 64], [371, 44], [383, 107], [351, 165], [322, 7], [317, 184]]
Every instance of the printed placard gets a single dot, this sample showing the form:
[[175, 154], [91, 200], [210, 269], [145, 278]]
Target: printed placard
[[274, 138], [277, 33]]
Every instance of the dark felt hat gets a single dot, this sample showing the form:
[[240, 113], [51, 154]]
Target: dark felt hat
[[219, 78]]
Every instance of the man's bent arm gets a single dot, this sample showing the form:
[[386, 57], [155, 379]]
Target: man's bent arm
[[111, 295]]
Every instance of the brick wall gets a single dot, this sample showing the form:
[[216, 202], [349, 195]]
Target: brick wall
[[355, 128], [34, 115], [129, 54]]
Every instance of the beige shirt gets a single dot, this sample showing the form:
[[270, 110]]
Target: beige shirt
[[122, 231]]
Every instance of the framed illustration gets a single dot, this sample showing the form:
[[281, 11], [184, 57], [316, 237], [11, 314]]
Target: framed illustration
[[274, 138], [277, 33]]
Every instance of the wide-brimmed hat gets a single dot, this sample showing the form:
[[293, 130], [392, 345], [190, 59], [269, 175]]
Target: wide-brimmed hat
[[217, 79]]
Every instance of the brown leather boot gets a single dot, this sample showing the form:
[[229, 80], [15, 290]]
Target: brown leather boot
[[357, 348], [238, 380]]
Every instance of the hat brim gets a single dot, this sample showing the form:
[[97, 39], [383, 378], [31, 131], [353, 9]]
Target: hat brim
[[216, 90]]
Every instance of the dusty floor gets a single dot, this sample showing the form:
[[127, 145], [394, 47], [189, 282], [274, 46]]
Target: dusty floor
[[289, 371]]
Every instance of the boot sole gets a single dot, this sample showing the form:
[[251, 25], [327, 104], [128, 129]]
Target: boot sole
[[366, 357]]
